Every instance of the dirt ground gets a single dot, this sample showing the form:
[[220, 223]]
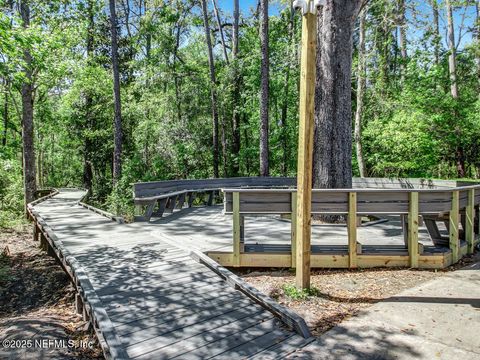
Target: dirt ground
[[339, 294], [37, 302]]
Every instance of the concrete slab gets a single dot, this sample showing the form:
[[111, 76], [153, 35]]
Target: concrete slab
[[436, 320]]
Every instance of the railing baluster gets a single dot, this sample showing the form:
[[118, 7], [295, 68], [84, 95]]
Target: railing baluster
[[413, 229], [236, 229], [293, 228], [352, 230], [453, 226], [470, 218]]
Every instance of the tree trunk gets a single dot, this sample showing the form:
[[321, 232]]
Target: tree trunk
[[220, 30], [402, 37], [117, 152], [29, 169], [88, 146], [236, 92], [436, 32], [286, 94], [452, 67], [264, 89], [360, 94], [5, 113], [333, 104], [213, 85], [477, 29], [452, 57]]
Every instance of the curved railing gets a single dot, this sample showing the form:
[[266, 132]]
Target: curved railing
[[455, 205]]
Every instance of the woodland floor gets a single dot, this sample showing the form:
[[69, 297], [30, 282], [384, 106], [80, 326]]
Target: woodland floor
[[37, 301], [339, 294]]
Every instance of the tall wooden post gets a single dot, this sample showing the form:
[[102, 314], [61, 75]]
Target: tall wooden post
[[305, 142]]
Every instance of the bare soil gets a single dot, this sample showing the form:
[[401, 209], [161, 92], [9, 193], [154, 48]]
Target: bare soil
[[339, 294], [37, 300]]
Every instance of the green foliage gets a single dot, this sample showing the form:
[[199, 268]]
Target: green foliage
[[411, 124], [11, 193], [296, 294]]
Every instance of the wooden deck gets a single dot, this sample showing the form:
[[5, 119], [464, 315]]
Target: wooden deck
[[150, 299]]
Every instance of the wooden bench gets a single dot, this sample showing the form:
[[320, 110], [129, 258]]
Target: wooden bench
[[166, 196]]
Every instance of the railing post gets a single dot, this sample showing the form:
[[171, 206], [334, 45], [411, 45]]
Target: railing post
[[453, 225], [413, 229], [293, 228], [236, 229], [469, 219], [352, 229]]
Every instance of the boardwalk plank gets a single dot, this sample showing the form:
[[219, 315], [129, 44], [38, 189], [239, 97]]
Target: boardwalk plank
[[161, 303], [208, 333]]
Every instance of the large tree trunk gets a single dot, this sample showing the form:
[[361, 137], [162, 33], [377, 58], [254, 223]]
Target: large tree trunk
[[452, 67], [333, 103], [264, 89], [213, 92], [117, 152], [360, 94], [29, 169], [236, 92]]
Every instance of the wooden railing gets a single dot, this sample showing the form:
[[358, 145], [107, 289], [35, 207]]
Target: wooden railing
[[457, 203]]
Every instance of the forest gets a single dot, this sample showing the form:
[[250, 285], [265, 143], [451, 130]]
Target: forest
[[100, 95]]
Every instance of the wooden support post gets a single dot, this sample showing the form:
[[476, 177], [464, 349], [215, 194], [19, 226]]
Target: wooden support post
[[191, 198], [469, 221], [293, 228], [305, 148], [162, 203], [172, 203], [236, 229], [149, 210], [352, 230], [36, 232], [211, 198], [181, 201], [78, 304], [453, 226], [413, 229]]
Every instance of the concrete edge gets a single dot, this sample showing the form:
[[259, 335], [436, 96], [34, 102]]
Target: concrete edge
[[109, 341]]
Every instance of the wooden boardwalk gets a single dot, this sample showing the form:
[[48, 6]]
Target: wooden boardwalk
[[154, 301]]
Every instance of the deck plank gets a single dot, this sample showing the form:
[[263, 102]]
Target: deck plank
[[160, 302]]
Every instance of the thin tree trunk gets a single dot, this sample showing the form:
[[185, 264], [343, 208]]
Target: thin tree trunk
[[477, 28], [436, 32], [220, 29], [286, 94], [29, 169], [5, 113], [402, 37], [264, 89], [88, 147], [213, 92], [452, 58], [452, 66], [333, 115], [236, 92], [117, 152], [360, 94]]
